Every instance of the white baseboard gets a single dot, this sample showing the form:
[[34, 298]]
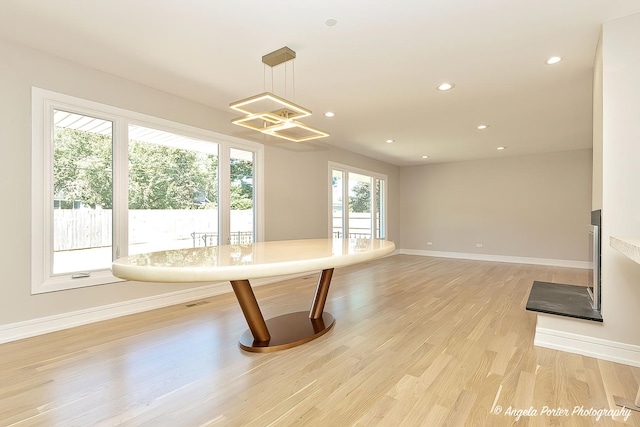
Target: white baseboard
[[612, 351], [499, 258], [43, 325]]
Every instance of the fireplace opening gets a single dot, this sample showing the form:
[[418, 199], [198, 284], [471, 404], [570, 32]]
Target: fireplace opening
[[595, 259]]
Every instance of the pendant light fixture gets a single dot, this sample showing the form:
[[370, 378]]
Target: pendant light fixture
[[273, 115]]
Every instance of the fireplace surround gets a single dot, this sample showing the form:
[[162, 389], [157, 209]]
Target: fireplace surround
[[582, 302]]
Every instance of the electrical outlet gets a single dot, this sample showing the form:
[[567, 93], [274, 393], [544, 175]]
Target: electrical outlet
[[478, 245], [429, 243]]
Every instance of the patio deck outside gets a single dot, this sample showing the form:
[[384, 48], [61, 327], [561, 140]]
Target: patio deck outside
[[88, 232]]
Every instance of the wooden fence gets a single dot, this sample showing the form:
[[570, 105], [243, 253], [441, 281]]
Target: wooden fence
[[92, 228]]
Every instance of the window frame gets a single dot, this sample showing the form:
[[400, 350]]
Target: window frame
[[43, 102], [345, 169]]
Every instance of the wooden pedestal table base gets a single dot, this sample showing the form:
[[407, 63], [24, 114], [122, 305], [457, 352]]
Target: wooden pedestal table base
[[240, 263], [288, 330], [634, 405]]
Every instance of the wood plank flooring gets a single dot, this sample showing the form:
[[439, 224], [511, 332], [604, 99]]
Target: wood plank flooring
[[418, 342]]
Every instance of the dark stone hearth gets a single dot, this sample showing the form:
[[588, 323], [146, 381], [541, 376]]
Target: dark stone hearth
[[563, 300]]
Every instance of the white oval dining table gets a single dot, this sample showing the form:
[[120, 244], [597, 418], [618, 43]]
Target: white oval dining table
[[239, 263]]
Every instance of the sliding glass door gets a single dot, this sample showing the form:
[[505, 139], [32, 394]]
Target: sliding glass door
[[357, 203]]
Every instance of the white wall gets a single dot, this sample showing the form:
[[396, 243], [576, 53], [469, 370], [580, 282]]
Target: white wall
[[596, 183], [296, 183], [534, 206], [299, 206], [618, 336]]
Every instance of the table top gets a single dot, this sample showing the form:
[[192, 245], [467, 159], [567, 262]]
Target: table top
[[239, 262]]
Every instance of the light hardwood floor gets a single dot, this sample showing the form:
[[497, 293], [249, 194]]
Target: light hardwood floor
[[417, 341]]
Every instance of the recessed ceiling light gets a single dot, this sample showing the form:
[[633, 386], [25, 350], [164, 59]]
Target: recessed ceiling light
[[330, 22], [446, 86], [329, 114], [390, 141], [481, 127], [425, 157], [501, 148], [553, 60]]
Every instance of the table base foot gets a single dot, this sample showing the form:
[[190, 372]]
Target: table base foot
[[288, 330], [626, 403]]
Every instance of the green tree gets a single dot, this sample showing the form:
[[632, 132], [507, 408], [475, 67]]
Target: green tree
[[82, 168], [241, 184], [360, 201], [160, 177]]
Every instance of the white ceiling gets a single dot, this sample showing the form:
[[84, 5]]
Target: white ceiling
[[377, 69]]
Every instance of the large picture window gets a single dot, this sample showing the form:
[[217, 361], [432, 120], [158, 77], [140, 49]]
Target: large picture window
[[358, 208], [82, 192], [108, 183]]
